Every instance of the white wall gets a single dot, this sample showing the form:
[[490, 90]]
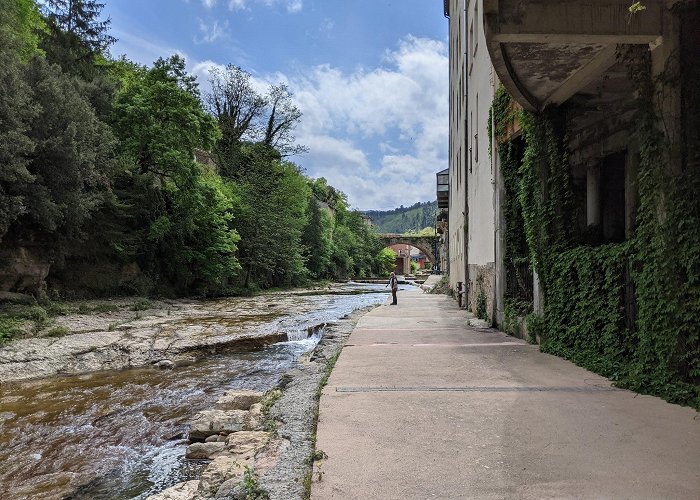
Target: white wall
[[480, 165], [458, 153]]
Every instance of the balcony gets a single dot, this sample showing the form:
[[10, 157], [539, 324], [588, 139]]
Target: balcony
[[545, 52], [443, 189]]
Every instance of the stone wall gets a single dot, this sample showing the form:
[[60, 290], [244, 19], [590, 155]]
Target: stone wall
[[482, 277], [23, 270]]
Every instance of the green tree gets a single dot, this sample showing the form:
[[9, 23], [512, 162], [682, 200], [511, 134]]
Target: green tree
[[316, 240], [21, 25], [271, 217], [17, 113], [386, 261], [181, 212], [69, 164], [79, 20]]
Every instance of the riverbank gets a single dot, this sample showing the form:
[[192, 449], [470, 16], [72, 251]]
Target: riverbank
[[129, 333], [271, 453], [123, 433]]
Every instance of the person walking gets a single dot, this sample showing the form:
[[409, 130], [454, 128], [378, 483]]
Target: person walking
[[394, 284]]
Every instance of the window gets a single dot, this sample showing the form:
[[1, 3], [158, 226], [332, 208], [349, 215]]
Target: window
[[475, 25], [612, 197]]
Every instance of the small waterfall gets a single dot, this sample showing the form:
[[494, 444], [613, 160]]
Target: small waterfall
[[312, 333]]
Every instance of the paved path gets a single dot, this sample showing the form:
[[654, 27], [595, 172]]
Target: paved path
[[420, 406]]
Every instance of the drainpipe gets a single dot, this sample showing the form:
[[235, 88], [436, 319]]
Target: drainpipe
[[467, 280]]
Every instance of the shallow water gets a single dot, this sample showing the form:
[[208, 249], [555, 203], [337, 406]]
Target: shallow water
[[119, 435]]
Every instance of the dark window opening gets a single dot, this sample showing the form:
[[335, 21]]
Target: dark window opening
[[612, 198]]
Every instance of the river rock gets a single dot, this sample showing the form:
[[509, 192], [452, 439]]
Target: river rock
[[255, 420], [204, 451], [233, 489], [181, 491], [165, 364], [238, 400], [246, 444], [214, 438], [220, 470], [208, 422]]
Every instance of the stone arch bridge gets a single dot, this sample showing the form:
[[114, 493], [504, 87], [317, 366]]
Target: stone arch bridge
[[425, 244]]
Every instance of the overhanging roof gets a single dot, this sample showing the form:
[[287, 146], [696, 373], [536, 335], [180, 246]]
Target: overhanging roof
[[544, 51]]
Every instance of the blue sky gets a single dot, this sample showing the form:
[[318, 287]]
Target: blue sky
[[370, 76]]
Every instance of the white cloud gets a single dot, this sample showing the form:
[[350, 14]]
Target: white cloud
[[209, 3], [294, 6], [236, 5], [395, 118], [212, 32], [326, 26]]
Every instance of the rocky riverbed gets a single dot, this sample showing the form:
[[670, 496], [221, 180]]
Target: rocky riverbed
[[171, 332], [124, 434], [258, 451]]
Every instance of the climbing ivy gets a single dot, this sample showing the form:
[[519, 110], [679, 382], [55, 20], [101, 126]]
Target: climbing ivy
[[586, 288]]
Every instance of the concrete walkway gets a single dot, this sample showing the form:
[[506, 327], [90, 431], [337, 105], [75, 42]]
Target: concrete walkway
[[419, 406]]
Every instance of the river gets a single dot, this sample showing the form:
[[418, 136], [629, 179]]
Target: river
[[121, 434]]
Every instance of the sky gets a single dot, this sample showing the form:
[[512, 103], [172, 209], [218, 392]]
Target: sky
[[370, 77]]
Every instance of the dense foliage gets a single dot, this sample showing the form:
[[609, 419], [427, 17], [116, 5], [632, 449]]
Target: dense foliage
[[628, 310], [402, 220], [124, 179]]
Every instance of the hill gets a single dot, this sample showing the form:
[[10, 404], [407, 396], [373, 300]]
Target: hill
[[404, 219]]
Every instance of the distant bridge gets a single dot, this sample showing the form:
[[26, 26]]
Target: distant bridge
[[425, 244]]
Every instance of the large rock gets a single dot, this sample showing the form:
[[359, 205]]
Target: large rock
[[255, 420], [220, 470], [205, 451], [181, 491], [23, 269], [233, 489], [238, 400], [246, 444], [206, 423]]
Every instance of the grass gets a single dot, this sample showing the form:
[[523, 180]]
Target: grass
[[101, 307], [9, 328], [142, 305], [58, 331]]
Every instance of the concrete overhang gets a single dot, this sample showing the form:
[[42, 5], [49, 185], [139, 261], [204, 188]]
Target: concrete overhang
[[544, 51]]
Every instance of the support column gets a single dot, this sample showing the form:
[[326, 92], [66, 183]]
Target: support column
[[593, 196]]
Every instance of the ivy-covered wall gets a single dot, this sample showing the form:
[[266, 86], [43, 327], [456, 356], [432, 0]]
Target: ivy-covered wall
[[630, 311]]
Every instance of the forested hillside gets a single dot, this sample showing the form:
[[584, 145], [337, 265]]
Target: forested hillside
[[100, 192], [405, 219]]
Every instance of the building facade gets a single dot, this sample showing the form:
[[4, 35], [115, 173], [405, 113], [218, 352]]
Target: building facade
[[456, 228], [473, 173]]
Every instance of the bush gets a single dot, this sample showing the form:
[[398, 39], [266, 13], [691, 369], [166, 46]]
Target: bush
[[9, 328], [58, 331]]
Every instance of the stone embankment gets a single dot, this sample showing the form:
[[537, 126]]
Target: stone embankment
[[263, 444]]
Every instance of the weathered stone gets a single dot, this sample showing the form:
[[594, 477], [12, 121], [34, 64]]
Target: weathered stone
[[17, 298], [246, 444], [238, 400], [23, 269], [479, 323], [255, 420], [214, 438], [233, 489], [204, 451], [181, 491], [220, 470], [165, 364], [206, 423]]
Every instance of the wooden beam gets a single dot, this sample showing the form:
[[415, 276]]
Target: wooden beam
[[576, 38]]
